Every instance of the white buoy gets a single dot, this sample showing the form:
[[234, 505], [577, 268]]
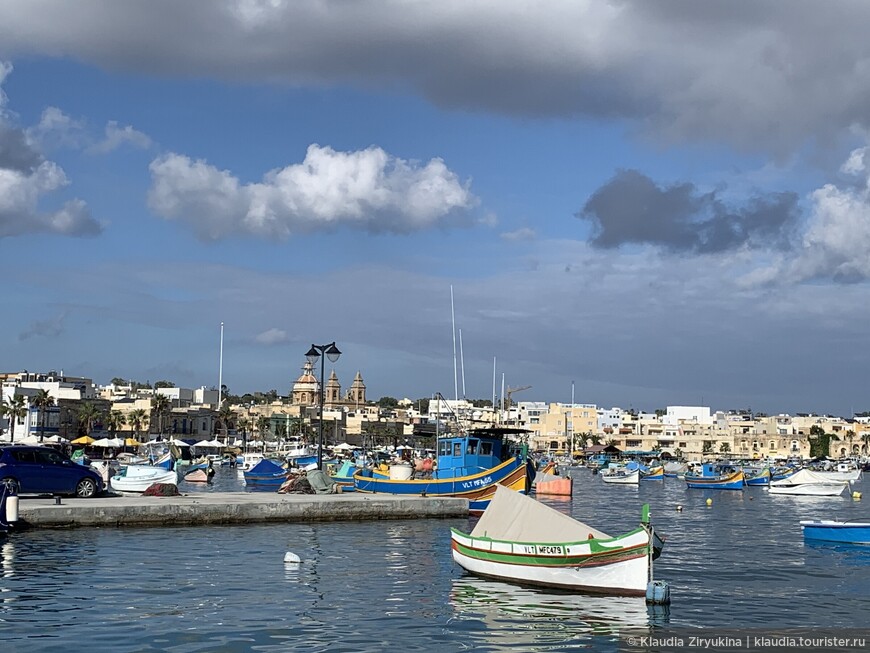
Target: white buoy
[[11, 510], [679, 508], [291, 558]]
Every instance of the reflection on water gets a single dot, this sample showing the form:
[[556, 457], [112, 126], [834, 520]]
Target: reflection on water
[[537, 619]]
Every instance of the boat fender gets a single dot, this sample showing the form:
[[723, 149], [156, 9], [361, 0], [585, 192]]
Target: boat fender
[[11, 509], [856, 496], [658, 592], [291, 558]]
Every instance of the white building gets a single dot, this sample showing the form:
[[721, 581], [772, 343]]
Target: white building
[[693, 414]]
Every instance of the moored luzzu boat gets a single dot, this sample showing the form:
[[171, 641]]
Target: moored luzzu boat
[[521, 540], [469, 465], [714, 477]]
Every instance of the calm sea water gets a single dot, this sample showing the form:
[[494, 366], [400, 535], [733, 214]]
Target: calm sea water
[[374, 586]]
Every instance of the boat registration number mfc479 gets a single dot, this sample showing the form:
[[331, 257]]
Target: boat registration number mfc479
[[542, 549]]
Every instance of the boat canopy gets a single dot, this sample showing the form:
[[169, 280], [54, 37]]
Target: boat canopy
[[517, 518]]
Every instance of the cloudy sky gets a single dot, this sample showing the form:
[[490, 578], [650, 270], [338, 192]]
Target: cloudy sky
[[653, 202]]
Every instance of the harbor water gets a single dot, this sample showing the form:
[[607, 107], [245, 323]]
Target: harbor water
[[382, 585]]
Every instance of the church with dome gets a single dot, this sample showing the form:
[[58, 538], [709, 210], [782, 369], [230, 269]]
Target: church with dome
[[306, 391]]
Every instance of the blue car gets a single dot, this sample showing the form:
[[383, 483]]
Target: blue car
[[42, 470]]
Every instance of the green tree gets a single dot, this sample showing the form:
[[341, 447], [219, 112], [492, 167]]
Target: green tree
[[865, 438], [160, 406], [16, 409], [138, 419], [850, 435], [678, 453], [163, 384], [226, 417], [43, 401], [263, 426], [114, 421], [820, 442], [388, 402], [592, 438], [88, 414]]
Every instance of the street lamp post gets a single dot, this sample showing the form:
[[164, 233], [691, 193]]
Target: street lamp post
[[313, 354]]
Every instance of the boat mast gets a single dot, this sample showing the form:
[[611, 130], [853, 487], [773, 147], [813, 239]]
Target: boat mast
[[462, 363], [221, 371], [453, 320]]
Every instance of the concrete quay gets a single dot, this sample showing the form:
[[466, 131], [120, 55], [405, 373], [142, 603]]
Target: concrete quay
[[231, 508]]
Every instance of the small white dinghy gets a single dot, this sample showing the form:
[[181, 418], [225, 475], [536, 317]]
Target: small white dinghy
[[138, 478]]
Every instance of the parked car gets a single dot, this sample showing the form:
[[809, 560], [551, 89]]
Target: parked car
[[42, 470]]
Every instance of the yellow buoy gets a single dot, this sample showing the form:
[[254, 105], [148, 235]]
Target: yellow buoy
[[709, 502], [856, 495]]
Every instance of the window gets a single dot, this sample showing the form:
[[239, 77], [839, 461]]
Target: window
[[486, 448], [772, 445], [48, 457], [681, 445], [471, 449], [25, 456], [457, 449]]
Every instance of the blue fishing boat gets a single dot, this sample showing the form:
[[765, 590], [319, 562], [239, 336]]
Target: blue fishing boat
[[715, 477], [761, 477], [653, 474], [469, 465], [781, 473], [266, 476], [844, 532]]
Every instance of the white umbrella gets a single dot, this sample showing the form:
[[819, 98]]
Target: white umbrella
[[344, 446], [179, 443], [103, 442]]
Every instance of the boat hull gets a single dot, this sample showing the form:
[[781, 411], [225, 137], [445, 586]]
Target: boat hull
[[618, 566], [731, 482], [831, 531], [477, 488], [810, 489], [138, 478], [632, 478], [761, 478]]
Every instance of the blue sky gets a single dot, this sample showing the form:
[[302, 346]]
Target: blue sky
[[661, 203]]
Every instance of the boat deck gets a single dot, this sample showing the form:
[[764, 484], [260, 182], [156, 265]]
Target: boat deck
[[231, 508]]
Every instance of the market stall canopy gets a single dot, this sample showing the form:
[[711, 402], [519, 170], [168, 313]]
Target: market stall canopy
[[210, 444], [132, 442], [108, 442], [85, 439]]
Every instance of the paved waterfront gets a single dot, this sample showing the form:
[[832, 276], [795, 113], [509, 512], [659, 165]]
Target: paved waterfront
[[231, 508]]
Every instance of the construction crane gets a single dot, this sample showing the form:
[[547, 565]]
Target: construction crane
[[510, 391]]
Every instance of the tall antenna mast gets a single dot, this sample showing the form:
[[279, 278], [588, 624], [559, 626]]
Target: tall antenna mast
[[453, 319], [462, 363], [221, 368]]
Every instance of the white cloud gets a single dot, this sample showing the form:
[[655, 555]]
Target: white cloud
[[116, 136], [271, 337], [25, 178], [366, 189], [56, 129], [519, 234]]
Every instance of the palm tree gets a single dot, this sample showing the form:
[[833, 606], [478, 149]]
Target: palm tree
[[15, 410], [43, 400], [263, 424], [137, 419], [115, 421], [226, 415], [865, 438], [88, 413], [160, 405], [243, 425], [850, 435], [4, 410]]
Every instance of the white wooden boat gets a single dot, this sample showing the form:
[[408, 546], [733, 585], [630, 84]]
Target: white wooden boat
[[808, 483], [521, 540], [621, 477], [138, 478]]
